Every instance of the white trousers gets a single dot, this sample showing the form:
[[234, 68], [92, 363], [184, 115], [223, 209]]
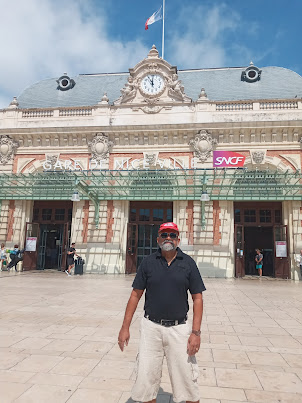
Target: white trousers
[[157, 341]]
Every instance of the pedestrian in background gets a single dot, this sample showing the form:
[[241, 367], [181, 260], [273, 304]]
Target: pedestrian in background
[[70, 258], [15, 256], [3, 257], [167, 275], [259, 261]]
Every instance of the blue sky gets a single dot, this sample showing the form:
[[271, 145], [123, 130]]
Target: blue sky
[[46, 38]]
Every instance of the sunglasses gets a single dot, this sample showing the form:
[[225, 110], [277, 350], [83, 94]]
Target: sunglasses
[[165, 235]]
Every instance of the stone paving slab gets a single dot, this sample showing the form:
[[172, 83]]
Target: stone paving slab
[[58, 340]]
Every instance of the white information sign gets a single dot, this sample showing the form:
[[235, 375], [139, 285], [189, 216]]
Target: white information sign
[[31, 244], [281, 249]]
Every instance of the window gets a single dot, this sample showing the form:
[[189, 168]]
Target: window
[[144, 214], [158, 214], [249, 215], [36, 214], [59, 214], [133, 215], [46, 214], [278, 216], [65, 83], [169, 215], [237, 216], [251, 74], [265, 216]]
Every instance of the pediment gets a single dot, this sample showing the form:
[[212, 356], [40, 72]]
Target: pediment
[[151, 83]]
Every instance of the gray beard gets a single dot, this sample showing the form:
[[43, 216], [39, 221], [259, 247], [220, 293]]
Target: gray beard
[[167, 247]]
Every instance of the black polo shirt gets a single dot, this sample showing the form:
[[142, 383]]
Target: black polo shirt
[[167, 286]]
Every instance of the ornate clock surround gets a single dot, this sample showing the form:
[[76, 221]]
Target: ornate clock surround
[[172, 90]]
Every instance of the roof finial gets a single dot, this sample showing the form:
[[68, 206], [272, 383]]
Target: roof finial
[[251, 63], [14, 104], [202, 96], [105, 99], [153, 53]]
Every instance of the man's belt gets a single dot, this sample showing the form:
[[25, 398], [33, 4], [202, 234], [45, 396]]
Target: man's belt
[[167, 322]]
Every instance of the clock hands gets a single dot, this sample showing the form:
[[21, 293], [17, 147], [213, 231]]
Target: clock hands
[[151, 80]]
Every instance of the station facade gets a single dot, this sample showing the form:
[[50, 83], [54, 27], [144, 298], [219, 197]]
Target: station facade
[[103, 159]]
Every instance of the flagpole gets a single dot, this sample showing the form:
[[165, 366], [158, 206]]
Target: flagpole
[[163, 34]]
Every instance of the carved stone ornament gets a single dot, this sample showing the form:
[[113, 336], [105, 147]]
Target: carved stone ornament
[[152, 106], [153, 81], [176, 90], [52, 159], [203, 145], [100, 147], [128, 92], [7, 149], [258, 157], [151, 157]]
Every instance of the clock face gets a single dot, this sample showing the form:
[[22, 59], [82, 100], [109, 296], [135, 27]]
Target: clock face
[[152, 84]]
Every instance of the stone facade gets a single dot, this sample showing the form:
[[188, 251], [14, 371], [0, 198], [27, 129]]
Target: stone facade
[[168, 131]]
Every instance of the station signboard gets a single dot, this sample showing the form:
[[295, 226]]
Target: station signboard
[[228, 159]]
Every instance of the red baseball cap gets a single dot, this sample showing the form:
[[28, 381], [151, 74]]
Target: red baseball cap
[[168, 225]]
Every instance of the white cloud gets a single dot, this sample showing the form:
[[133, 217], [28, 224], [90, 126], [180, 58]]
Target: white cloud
[[203, 40], [47, 38]]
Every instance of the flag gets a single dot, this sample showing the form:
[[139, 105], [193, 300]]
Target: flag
[[154, 17]]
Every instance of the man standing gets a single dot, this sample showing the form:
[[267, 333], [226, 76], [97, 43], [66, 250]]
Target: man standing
[[166, 275]]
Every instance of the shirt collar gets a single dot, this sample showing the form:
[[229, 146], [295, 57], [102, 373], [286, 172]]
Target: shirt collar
[[179, 255]]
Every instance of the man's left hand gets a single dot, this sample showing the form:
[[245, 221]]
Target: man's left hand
[[193, 344]]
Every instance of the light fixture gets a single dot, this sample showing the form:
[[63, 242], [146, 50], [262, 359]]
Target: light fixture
[[75, 197], [204, 196]]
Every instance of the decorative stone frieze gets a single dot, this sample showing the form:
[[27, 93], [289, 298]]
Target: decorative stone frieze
[[7, 149], [258, 157], [203, 145], [100, 147]]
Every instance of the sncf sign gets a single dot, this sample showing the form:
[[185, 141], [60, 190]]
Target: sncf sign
[[227, 159]]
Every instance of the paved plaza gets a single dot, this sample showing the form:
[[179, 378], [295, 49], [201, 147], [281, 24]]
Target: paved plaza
[[58, 340]]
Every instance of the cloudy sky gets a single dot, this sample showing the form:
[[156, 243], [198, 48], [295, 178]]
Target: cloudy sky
[[46, 38]]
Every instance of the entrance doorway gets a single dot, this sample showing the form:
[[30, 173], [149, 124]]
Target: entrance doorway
[[255, 236], [259, 225], [50, 246], [48, 235], [145, 219]]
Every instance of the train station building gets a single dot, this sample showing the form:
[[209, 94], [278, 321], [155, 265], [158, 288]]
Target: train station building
[[103, 159]]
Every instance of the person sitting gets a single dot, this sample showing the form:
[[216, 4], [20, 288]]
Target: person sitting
[[15, 256]]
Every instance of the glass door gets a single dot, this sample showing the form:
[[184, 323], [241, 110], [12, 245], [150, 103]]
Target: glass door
[[144, 221], [42, 246], [146, 241], [239, 251]]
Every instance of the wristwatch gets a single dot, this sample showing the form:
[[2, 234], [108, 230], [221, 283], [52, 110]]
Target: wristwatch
[[196, 332]]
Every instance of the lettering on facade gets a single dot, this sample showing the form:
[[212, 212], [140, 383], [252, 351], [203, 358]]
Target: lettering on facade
[[227, 159], [122, 164]]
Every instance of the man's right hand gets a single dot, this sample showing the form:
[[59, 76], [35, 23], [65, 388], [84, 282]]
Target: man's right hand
[[123, 338]]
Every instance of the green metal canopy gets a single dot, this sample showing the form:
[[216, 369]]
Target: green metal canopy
[[178, 184]]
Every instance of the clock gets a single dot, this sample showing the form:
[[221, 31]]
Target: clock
[[152, 84]]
